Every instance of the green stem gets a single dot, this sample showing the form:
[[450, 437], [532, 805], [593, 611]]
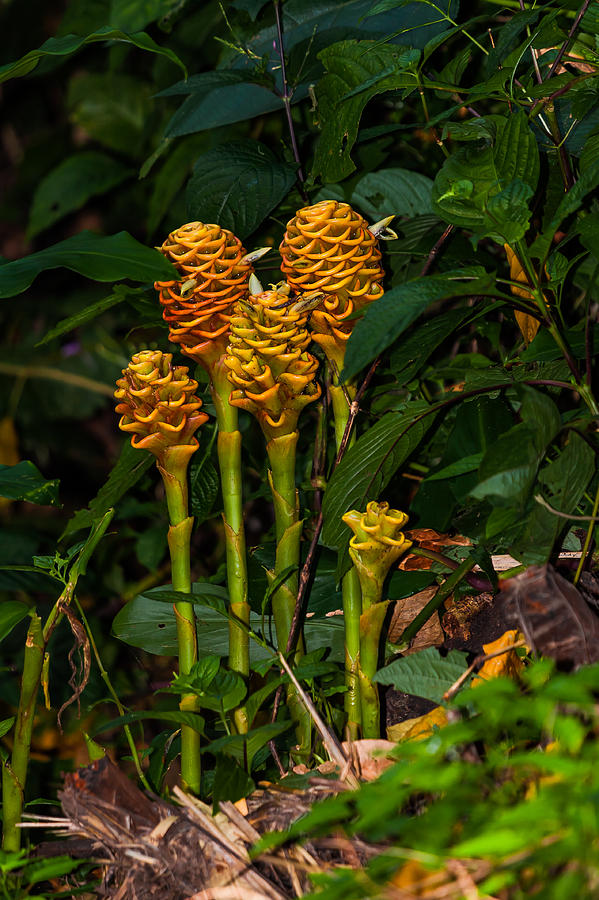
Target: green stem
[[288, 529], [371, 625], [121, 709], [350, 584], [229, 459], [14, 774], [173, 468], [587, 540]]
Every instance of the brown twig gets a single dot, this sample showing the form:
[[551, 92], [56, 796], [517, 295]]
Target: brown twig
[[286, 98], [455, 687]]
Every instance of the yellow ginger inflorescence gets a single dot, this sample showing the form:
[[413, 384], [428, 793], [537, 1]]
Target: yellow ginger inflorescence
[[378, 540], [329, 247], [157, 403], [271, 372], [216, 274]]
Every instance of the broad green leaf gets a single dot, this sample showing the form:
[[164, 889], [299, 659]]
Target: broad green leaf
[[243, 747], [192, 720], [588, 231], [218, 688], [508, 214], [113, 108], [204, 486], [212, 595], [564, 481], [409, 355], [252, 7], [460, 467], [25, 482], [386, 319], [150, 624], [590, 152], [70, 185], [11, 613], [356, 72], [509, 467], [231, 781], [120, 292], [425, 674], [219, 98], [46, 869], [588, 181], [170, 179], [70, 43], [129, 468], [237, 185], [6, 725], [393, 192], [95, 256], [369, 465], [496, 843], [472, 175], [133, 15], [541, 414]]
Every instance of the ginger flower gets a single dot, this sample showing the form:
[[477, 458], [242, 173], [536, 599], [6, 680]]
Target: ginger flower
[[216, 271], [330, 247], [158, 405], [271, 372], [377, 543]]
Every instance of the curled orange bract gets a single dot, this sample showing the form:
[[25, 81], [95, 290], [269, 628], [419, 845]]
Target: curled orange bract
[[270, 370], [216, 275], [157, 403]]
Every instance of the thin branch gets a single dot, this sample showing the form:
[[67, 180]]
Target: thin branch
[[286, 98], [455, 687], [566, 45]]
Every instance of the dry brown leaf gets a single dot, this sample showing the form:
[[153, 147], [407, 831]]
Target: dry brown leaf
[[405, 611], [419, 728]]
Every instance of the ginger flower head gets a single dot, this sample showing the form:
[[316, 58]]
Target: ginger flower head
[[216, 271], [272, 375], [378, 540], [157, 404], [330, 247]]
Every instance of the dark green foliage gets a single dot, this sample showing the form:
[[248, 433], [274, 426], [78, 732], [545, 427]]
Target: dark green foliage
[[459, 128]]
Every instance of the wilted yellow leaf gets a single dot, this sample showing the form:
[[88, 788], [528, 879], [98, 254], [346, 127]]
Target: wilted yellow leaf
[[419, 728], [528, 324], [509, 663]]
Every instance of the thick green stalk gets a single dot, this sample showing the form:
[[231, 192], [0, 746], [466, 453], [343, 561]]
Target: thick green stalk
[[288, 529], [174, 475], [350, 585], [14, 774], [371, 624], [281, 455], [229, 459]]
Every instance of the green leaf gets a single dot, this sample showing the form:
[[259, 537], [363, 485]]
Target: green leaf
[[25, 482], [129, 468], [192, 720], [369, 465], [150, 624], [424, 674], [237, 185], [508, 214], [409, 355], [356, 72], [231, 781], [541, 414], [564, 481], [460, 467], [133, 15], [171, 178], [70, 43], [393, 192], [120, 292], [45, 869], [204, 485], [588, 181], [387, 318], [472, 175], [588, 231], [70, 185], [95, 256], [6, 725], [11, 613], [243, 747], [219, 98], [218, 689], [113, 108]]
